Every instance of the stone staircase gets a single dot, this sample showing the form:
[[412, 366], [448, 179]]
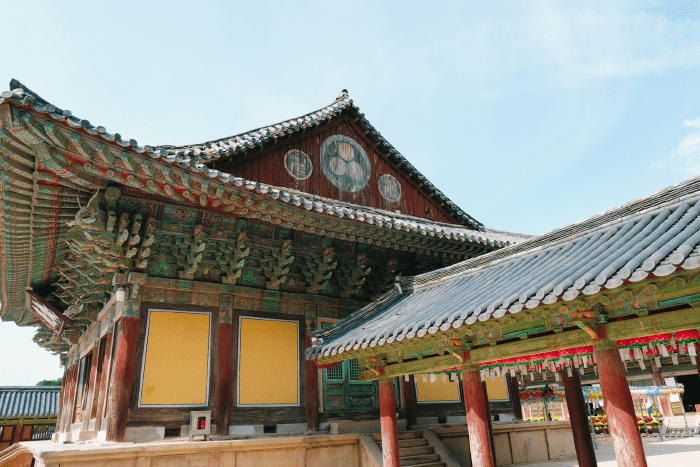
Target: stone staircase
[[415, 450]]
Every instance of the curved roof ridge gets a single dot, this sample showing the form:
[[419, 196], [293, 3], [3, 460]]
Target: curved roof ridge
[[212, 151]]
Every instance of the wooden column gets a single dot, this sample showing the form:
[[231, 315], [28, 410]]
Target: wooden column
[[92, 387], [514, 394], [618, 402], [490, 420], [311, 394], [664, 404], [579, 420], [224, 375], [387, 412], [61, 399], [104, 379], [409, 395], [477, 415], [123, 375], [17, 434], [69, 400]]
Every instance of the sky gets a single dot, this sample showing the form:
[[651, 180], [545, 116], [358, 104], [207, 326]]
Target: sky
[[529, 115]]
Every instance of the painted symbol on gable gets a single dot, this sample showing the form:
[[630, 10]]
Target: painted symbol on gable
[[298, 164], [389, 187], [345, 163]]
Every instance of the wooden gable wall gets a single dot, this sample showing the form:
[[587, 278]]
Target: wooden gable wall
[[267, 166]]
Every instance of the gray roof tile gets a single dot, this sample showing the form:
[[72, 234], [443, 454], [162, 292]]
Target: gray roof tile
[[29, 401]]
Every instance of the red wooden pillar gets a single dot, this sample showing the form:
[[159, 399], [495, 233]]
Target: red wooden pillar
[[311, 394], [477, 415], [409, 395], [514, 393], [69, 399], [579, 421], [61, 399], [618, 402], [490, 420], [92, 387], [387, 413], [17, 434], [104, 379], [118, 413], [664, 404], [224, 392]]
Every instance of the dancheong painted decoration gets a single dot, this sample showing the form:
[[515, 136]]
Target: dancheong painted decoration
[[298, 164], [345, 163], [390, 188]]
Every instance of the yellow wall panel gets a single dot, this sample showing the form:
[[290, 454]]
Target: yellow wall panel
[[177, 359], [437, 391], [268, 362], [497, 388]]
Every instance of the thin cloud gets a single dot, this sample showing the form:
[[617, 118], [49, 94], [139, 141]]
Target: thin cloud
[[685, 157]]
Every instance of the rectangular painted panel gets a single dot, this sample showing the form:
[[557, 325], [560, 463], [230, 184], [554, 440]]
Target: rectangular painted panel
[[497, 388], [268, 362], [176, 367], [438, 391]]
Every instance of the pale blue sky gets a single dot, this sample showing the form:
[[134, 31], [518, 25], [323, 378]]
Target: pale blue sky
[[528, 115]]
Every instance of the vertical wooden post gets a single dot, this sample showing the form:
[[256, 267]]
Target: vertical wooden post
[[579, 421], [224, 374], [618, 402], [62, 398], [514, 394], [664, 404], [69, 400], [104, 379], [490, 420], [387, 413], [409, 395], [311, 394], [477, 415], [92, 387], [118, 413]]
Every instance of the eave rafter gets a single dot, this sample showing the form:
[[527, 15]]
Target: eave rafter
[[85, 163]]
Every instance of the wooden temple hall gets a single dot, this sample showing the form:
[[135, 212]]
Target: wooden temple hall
[[305, 272]]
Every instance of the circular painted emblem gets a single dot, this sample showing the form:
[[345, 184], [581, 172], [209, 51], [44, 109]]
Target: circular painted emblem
[[389, 187], [298, 164], [345, 163]]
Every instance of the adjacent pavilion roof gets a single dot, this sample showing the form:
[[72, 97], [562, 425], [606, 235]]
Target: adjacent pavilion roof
[[29, 401], [648, 237]]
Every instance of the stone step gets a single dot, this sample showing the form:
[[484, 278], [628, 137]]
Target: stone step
[[415, 451], [409, 443], [401, 435], [418, 460]]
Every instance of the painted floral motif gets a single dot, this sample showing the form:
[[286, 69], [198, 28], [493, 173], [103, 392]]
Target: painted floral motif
[[389, 187], [344, 163], [298, 164]]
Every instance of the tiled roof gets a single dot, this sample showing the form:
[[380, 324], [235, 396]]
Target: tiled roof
[[651, 236], [198, 155], [29, 401]]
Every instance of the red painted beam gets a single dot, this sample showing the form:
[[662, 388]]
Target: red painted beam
[[477, 415], [619, 408], [387, 413], [579, 421], [118, 414]]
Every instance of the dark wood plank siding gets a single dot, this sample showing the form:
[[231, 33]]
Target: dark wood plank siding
[[266, 165]]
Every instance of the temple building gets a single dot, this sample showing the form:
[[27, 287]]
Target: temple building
[[180, 278], [305, 273]]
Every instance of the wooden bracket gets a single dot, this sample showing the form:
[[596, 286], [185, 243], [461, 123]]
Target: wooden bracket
[[588, 325]]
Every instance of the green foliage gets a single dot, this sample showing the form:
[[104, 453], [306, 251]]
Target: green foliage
[[50, 382]]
